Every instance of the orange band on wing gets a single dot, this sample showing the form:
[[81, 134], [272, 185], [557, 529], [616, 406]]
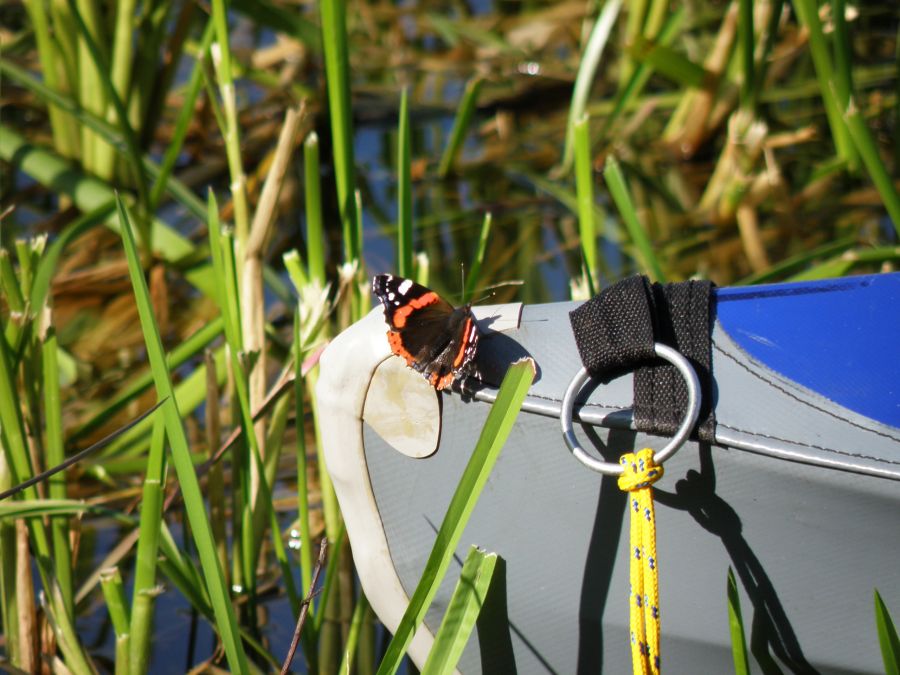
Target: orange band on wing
[[402, 313], [460, 355], [396, 344]]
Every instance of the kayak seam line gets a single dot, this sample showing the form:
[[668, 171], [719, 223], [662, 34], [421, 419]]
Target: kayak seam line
[[812, 446], [789, 394]]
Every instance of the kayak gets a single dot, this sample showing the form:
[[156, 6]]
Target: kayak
[[797, 494]]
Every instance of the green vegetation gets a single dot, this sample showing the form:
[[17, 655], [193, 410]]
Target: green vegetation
[[192, 200]]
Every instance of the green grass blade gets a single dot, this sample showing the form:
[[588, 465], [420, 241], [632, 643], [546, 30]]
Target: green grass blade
[[366, 663], [9, 609], [117, 606], [183, 572], [669, 63], [453, 31], [293, 265], [896, 67], [865, 146], [133, 153], [315, 238], [306, 553], [808, 15], [474, 276], [641, 75], [242, 563], [764, 56], [794, 264], [887, 637], [584, 191], [352, 642], [736, 627], [78, 456], [12, 426], [274, 447], [280, 18], [632, 30], [404, 192], [222, 253], [587, 70], [162, 31], [148, 550], [226, 622], [281, 558], [11, 292], [460, 125], [87, 83], [185, 115], [231, 130], [462, 612], [215, 478], [55, 448], [877, 257], [337, 72], [618, 189], [746, 44], [225, 266], [10, 288], [496, 430], [29, 252], [65, 131], [841, 51], [122, 56], [39, 508], [829, 269]]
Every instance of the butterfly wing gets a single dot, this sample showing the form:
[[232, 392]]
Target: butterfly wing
[[432, 337]]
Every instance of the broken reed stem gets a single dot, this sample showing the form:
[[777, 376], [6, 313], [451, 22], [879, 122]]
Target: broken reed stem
[[252, 294]]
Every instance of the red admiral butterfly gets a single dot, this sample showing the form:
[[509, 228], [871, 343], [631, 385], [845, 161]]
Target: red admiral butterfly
[[433, 337]]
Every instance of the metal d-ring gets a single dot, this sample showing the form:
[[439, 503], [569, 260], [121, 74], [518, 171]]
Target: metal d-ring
[[609, 468]]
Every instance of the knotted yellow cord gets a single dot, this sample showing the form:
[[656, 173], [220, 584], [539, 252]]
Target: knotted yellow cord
[[641, 471]]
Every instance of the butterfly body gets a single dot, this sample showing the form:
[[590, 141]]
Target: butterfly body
[[431, 335]]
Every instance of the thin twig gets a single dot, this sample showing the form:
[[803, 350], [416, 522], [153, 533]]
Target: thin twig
[[304, 607], [78, 456]]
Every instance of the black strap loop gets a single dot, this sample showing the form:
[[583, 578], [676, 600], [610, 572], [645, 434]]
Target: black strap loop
[[615, 331]]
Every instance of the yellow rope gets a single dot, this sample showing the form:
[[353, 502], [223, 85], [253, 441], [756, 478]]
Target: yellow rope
[[641, 471]]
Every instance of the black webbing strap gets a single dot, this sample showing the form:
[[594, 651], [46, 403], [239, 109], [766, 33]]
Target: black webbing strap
[[615, 331]]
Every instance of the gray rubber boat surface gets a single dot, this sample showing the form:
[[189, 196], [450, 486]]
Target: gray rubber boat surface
[[798, 495]]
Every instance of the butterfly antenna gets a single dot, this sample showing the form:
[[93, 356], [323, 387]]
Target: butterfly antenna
[[462, 279]]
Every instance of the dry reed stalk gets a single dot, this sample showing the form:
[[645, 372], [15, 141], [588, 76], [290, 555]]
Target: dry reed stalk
[[689, 125], [748, 226], [252, 297]]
